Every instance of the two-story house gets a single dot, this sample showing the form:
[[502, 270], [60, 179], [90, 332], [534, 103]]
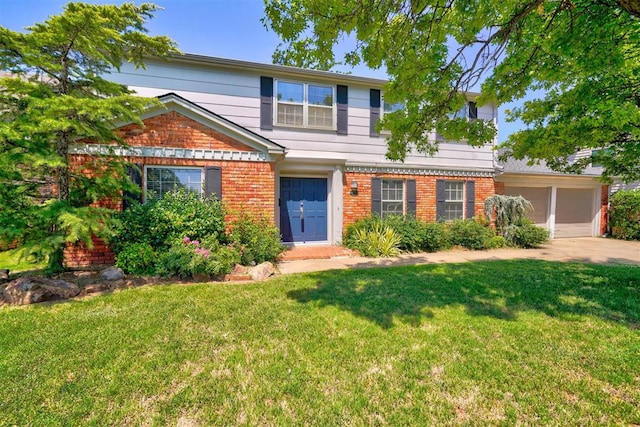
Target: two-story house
[[299, 146]]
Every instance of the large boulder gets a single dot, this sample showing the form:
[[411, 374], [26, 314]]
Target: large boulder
[[30, 290], [112, 273], [262, 271]]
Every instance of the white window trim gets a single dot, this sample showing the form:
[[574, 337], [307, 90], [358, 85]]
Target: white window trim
[[462, 201], [383, 200], [305, 106], [147, 167]]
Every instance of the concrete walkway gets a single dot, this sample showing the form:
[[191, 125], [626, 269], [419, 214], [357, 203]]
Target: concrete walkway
[[585, 249]]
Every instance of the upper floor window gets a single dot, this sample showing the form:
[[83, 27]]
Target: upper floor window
[[161, 180], [305, 105], [392, 108]]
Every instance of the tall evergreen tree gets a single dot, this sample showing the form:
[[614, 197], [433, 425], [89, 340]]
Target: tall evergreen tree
[[54, 91]]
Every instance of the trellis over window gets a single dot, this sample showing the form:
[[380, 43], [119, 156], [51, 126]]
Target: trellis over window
[[305, 105], [393, 196], [455, 199], [161, 179]]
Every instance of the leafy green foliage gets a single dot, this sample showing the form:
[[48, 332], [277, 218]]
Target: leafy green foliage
[[256, 239], [53, 97], [380, 241], [368, 223], [409, 229], [624, 216], [436, 237], [188, 258], [580, 56], [159, 222], [525, 235], [497, 242], [508, 210], [138, 259], [470, 234]]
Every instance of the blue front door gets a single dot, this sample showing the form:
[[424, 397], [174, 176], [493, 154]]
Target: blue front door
[[303, 209]]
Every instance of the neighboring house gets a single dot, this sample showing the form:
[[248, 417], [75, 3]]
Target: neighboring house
[[565, 204], [296, 145]]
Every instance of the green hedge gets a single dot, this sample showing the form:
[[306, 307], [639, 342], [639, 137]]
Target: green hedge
[[624, 214]]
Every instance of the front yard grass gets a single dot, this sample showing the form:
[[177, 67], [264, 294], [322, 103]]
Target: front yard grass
[[499, 342]]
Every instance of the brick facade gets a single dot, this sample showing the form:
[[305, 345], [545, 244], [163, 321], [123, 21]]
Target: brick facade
[[246, 186], [359, 206], [604, 209]]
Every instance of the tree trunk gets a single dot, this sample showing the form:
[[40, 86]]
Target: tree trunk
[[631, 6], [62, 172]]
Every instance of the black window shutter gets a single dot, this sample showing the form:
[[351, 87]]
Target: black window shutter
[[471, 199], [266, 103], [376, 196], [213, 182], [440, 199], [374, 111], [473, 110], [134, 172], [343, 109], [411, 197]]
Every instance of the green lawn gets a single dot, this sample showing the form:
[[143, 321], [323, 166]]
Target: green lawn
[[13, 260], [499, 342]]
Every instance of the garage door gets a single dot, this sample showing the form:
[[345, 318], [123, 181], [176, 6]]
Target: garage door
[[574, 212], [539, 198]]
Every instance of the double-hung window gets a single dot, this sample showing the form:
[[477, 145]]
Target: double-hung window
[[392, 197], [163, 179], [454, 200], [305, 105]]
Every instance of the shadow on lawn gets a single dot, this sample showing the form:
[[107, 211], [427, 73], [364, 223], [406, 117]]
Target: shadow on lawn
[[498, 289]]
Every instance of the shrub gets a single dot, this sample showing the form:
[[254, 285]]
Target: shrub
[[349, 239], [525, 235], [624, 215], [159, 222], [187, 258], [410, 231], [435, 237], [137, 258], [381, 240], [497, 242], [470, 234], [255, 239], [508, 210]]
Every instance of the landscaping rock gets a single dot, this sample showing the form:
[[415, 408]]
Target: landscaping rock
[[262, 271], [4, 275], [99, 287], [112, 273], [30, 290], [239, 273]]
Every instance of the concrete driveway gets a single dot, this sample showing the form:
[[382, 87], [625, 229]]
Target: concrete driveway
[[585, 249]]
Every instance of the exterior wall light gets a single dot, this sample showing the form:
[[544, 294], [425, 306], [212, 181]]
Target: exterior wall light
[[354, 188]]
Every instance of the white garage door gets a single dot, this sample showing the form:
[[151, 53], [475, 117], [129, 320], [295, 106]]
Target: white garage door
[[539, 198], [574, 212]]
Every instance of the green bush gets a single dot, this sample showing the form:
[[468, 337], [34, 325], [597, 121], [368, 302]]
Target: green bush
[[188, 258], [497, 242], [525, 235], [624, 215], [349, 239], [382, 240], [255, 239], [470, 234], [158, 222], [138, 259], [435, 237], [409, 229]]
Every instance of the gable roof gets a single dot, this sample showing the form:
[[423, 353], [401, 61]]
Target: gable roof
[[174, 102]]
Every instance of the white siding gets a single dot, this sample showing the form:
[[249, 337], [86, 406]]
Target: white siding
[[235, 95]]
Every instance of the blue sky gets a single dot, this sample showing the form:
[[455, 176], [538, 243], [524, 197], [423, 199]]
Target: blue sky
[[223, 28]]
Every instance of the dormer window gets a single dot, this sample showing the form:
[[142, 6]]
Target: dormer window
[[305, 105]]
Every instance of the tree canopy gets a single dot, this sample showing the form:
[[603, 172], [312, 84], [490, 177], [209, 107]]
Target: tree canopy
[[53, 92], [582, 55]]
